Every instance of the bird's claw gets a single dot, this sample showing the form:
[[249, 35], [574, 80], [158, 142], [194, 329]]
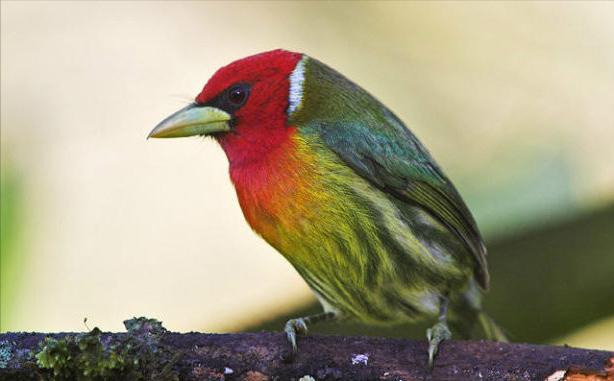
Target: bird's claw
[[294, 327], [435, 335]]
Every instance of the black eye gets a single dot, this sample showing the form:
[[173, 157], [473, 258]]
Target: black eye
[[237, 96], [232, 98]]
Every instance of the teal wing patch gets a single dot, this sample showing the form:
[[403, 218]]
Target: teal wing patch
[[383, 151]]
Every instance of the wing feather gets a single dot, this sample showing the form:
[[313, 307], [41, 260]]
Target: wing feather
[[387, 154]]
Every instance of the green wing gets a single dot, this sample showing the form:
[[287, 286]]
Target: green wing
[[382, 150]]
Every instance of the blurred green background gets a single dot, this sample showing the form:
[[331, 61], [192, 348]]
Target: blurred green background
[[514, 99]]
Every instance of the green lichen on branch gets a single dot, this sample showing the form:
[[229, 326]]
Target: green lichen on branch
[[135, 355], [81, 356], [5, 353]]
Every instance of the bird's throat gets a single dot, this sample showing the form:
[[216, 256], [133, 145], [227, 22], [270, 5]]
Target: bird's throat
[[271, 188]]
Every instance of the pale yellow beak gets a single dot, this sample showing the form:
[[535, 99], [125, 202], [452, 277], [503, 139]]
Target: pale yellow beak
[[192, 120]]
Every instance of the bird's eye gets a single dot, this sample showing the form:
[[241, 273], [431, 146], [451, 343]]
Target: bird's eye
[[232, 98], [237, 96]]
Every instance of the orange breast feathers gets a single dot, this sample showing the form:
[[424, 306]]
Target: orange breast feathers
[[279, 193]]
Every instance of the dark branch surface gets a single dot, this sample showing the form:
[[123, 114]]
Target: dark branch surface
[[259, 357]]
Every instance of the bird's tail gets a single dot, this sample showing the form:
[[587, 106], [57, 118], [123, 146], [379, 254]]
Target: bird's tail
[[491, 329], [467, 318]]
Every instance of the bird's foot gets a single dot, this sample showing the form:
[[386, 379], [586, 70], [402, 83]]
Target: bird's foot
[[294, 327], [435, 335]]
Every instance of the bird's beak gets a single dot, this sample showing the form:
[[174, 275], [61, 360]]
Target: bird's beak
[[192, 120]]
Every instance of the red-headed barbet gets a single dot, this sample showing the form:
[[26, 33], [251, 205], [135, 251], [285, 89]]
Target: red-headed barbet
[[337, 183]]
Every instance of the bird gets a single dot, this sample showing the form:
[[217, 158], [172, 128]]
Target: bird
[[340, 186]]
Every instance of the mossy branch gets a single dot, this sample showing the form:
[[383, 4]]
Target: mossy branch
[[149, 352]]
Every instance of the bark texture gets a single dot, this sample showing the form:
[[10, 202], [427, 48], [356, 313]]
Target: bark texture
[[265, 356]]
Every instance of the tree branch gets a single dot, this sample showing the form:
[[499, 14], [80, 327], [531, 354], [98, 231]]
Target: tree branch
[[263, 356]]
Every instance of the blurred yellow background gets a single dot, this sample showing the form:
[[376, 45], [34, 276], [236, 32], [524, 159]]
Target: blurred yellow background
[[514, 99]]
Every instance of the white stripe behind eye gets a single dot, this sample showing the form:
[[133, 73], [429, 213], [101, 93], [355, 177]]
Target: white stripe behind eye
[[295, 98]]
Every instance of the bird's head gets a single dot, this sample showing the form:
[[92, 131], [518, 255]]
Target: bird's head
[[244, 106]]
